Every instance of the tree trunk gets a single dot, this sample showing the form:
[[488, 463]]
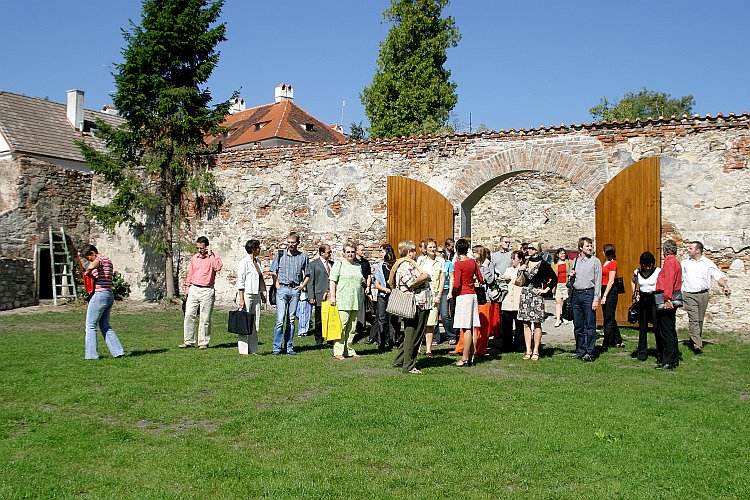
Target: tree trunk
[[168, 252]]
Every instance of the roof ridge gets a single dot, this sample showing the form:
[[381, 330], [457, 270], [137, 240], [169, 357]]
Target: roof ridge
[[281, 118]]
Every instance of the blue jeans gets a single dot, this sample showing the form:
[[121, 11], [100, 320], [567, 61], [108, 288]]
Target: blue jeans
[[446, 317], [584, 321], [286, 309], [100, 306]]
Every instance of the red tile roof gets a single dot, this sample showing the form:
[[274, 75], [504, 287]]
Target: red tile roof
[[281, 120]]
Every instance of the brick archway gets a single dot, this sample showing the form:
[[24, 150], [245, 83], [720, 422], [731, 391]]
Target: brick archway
[[580, 159]]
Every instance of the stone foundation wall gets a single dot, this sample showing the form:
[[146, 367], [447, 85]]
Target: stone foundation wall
[[548, 180], [17, 286]]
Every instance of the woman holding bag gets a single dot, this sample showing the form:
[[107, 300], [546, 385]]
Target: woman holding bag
[[539, 279], [345, 289], [410, 278], [251, 289], [612, 337], [466, 317], [388, 324]]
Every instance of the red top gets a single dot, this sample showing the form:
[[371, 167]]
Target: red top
[[670, 277], [610, 265], [562, 272], [463, 275]]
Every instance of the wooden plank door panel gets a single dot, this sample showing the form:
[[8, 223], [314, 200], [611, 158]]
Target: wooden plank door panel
[[416, 211], [628, 215]]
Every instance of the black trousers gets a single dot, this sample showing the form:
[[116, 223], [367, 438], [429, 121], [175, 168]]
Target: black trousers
[[668, 333], [612, 335], [512, 332], [386, 328], [646, 315], [318, 324]]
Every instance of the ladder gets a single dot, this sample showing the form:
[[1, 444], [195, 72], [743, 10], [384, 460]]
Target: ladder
[[63, 282]]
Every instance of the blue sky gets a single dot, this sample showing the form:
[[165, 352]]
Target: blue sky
[[518, 65]]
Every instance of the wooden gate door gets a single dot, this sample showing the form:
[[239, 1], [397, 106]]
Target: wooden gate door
[[416, 211], [628, 215]]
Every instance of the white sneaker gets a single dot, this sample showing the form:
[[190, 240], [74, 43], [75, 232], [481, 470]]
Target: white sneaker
[[565, 322], [558, 324]]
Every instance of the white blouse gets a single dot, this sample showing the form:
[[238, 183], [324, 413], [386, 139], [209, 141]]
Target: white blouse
[[647, 285], [248, 278]]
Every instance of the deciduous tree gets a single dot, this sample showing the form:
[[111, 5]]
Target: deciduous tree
[[411, 92], [642, 104], [151, 160]]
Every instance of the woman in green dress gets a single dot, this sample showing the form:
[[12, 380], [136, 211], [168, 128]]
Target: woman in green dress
[[344, 291]]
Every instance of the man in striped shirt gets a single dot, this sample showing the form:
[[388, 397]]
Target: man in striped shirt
[[288, 269]]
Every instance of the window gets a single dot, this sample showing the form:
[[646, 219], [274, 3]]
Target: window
[[309, 127], [260, 125]]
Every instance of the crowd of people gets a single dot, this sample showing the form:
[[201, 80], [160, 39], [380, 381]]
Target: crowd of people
[[471, 294]]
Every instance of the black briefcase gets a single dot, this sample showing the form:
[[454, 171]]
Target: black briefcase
[[241, 322]]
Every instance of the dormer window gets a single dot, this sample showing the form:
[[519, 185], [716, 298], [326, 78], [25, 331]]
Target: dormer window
[[309, 127], [260, 125]]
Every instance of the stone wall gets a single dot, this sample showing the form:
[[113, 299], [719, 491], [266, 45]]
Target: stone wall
[[533, 207], [35, 195], [17, 286], [333, 193]]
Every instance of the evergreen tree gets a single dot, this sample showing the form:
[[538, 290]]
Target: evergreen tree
[[151, 160], [640, 105], [356, 131], [410, 93]]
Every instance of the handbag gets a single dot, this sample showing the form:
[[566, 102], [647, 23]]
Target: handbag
[[241, 322], [676, 299], [401, 304], [521, 279], [481, 294], [619, 285], [567, 309], [330, 321], [633, 313]]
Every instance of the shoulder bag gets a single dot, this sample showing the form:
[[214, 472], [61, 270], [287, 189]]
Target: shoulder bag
[[401, 304], [272, 292], [521, 279], [619, 285]]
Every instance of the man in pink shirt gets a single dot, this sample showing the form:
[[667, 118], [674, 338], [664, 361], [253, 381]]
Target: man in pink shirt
[[199, 288]]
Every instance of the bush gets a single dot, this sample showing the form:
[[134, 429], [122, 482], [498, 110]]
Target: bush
[[120, 287]]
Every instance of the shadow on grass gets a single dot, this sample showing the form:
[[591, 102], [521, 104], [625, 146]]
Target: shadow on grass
[[145, 352]]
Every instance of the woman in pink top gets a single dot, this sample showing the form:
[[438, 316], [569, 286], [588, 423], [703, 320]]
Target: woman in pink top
[[466, 317]]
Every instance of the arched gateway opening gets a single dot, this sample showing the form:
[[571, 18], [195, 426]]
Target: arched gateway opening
[[627, 210]]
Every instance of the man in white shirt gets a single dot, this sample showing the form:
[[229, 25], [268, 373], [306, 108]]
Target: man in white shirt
[[697, 273]]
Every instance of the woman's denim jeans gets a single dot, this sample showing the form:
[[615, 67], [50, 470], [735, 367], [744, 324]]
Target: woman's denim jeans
[[100, 306]]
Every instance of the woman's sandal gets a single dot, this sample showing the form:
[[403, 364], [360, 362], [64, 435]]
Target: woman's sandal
[[338, 358], [527, 356], [535, 357], [463, 364]]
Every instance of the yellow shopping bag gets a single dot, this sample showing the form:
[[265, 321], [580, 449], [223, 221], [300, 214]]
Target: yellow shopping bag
[[329, 316]]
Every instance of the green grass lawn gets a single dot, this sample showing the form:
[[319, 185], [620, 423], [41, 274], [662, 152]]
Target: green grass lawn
[[168, 422]]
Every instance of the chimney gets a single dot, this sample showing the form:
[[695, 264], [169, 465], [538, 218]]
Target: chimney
[[75, 108], [238, 104], [283, 92]]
